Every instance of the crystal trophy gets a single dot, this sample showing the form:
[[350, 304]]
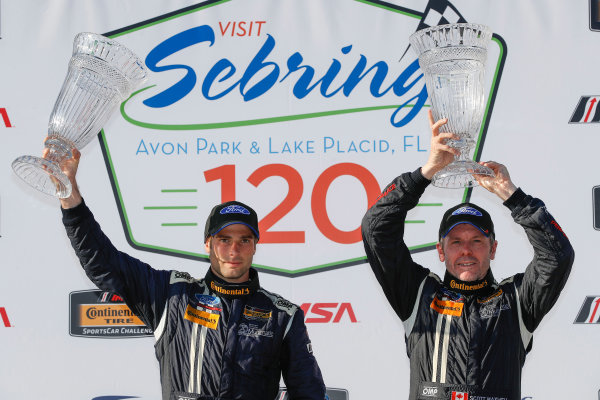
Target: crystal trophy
[[102, 74], [452, 58]]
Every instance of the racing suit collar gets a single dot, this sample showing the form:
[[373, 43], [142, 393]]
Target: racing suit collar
[[481, 288], [232, 290]]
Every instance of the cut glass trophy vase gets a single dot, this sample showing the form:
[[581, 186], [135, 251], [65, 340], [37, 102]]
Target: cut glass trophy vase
[[452, 58], [102, 73]]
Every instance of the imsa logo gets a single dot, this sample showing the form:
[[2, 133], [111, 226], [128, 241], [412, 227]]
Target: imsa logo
[[328, 312], [590, 311]]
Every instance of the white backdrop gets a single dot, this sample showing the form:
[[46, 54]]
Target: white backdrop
[[344, 146]]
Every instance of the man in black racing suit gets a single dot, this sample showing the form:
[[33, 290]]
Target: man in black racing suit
[[221, 337], [467, 336]]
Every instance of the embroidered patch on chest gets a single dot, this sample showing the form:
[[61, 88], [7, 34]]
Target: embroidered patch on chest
[[489, 310], [256, 313], [200, 317], [497, 293], [447, 307], [209, 302], [253, 331]]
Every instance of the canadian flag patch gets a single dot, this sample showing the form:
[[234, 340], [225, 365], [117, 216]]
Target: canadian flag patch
[[460, 396]]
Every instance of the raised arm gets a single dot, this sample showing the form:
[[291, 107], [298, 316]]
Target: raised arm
[[553, 254], [143, 288], [553, 257], [383, 226]]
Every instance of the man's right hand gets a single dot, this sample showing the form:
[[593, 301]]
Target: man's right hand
[[69, 168], [440, 154]]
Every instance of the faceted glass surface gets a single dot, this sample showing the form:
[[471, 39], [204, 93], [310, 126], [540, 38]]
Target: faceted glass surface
[[452, 58], [102, 73]]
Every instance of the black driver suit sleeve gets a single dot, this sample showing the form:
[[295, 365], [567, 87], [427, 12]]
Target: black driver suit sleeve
[[383, 238], [547, 273], [143, 288], [299, 367]]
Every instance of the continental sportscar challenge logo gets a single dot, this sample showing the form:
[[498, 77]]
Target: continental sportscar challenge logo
[[253, 101], [98, 314]]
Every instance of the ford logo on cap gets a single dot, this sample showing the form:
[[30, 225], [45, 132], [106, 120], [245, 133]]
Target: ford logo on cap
[[467, 210], [235, 209]]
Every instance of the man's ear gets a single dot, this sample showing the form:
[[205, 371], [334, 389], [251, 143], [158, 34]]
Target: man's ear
[[493, 250], [440, 251], [207, 244]]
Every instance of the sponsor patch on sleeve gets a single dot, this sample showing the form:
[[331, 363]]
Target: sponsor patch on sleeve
[[447, 307], [200, 317], [178, 276]]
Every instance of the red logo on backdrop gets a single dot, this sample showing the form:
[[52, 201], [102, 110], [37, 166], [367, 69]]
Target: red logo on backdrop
[[586, 111], [4, 317], [109, 297], [589, 312], [328, 312], [4, 116]]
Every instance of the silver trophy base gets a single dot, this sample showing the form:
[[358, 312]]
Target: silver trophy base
[[43, 175], [459, 174]]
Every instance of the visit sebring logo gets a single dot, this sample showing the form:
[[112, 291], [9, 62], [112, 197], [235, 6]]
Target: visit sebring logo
[[258, 102], [262, 74]]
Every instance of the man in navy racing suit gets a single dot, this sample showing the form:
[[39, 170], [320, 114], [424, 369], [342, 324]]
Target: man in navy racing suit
[[221, 337], [466, 335]]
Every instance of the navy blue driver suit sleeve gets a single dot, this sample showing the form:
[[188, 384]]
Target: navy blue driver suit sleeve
[[300, 370], [383, 238], [553, 257], [143, 288]]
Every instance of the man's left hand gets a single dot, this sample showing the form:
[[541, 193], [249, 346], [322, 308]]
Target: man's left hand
[[499, 184]]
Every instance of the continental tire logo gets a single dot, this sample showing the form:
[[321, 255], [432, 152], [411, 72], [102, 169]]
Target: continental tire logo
[[447, 307], [92, 316], [107, 315], [200, 317], [229, 292], [462, 286]]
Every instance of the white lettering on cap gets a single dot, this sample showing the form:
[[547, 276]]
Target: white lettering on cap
[[234, 209], [467, 210]]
